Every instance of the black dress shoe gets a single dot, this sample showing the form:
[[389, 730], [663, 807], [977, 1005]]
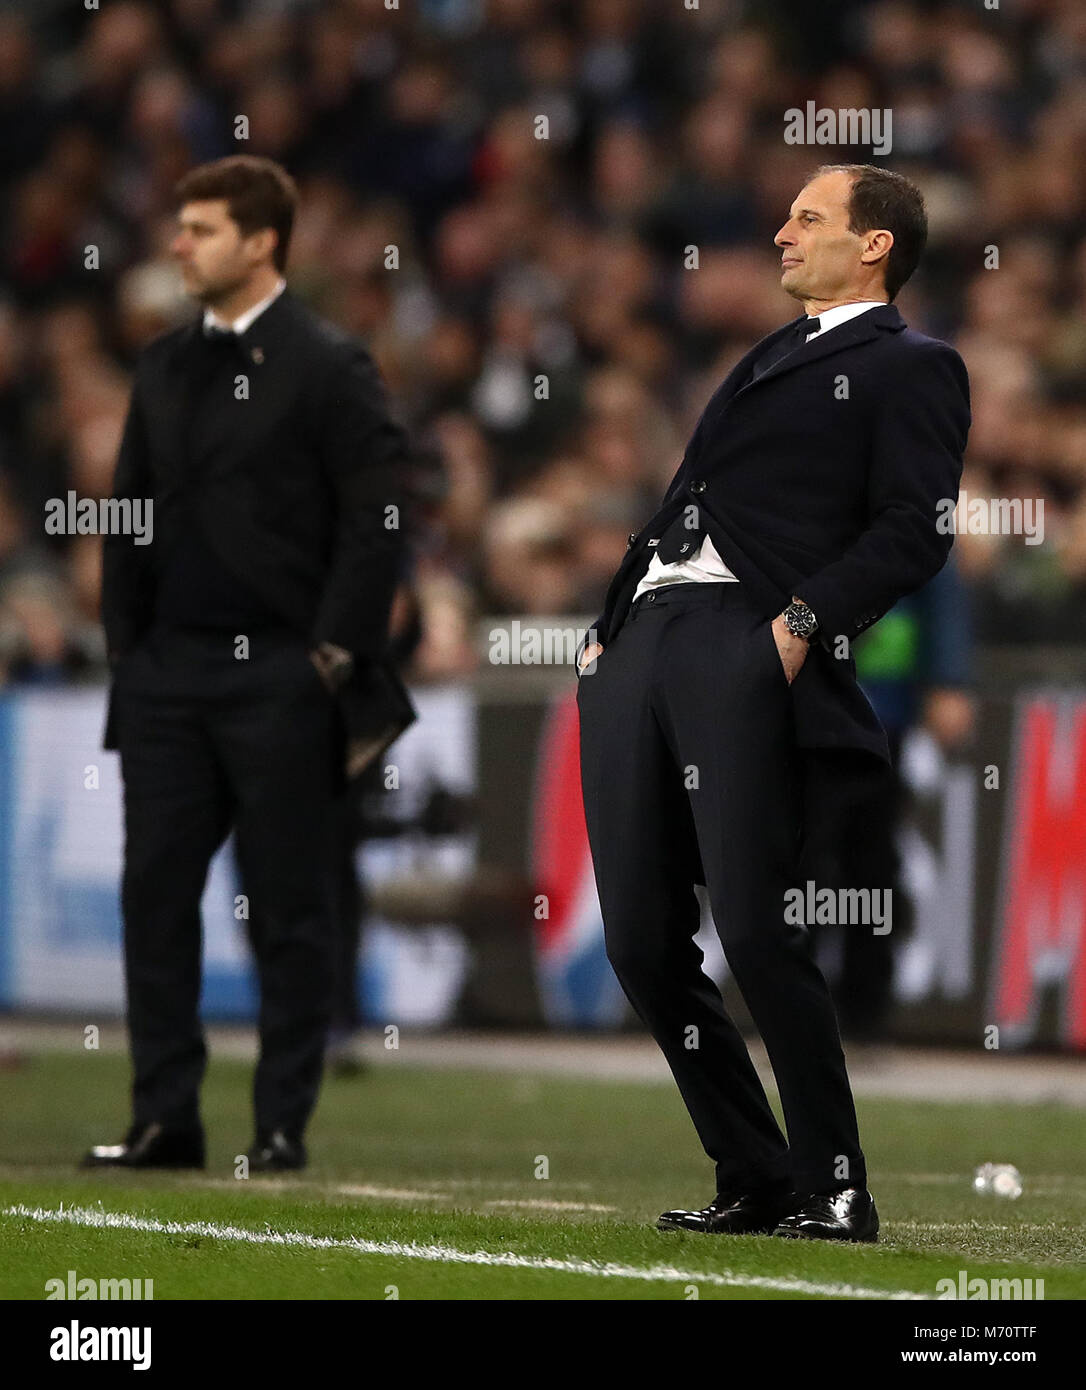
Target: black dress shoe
[[749, 1213], [276, 1152], [847, 1215], [150, 1146]]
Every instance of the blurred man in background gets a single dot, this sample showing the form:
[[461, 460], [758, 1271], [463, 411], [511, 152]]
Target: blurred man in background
[[249, 652]]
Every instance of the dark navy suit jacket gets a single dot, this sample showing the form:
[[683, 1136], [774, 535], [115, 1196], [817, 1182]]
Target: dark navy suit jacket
[[824, 479]]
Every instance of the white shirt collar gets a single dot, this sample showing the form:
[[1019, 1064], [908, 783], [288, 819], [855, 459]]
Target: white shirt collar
[[830, 318], [244, 321]]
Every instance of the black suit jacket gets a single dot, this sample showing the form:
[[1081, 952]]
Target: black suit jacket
[[292, 486], [822, 479]]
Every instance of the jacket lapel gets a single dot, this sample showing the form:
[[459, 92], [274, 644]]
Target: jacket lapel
[[740, 374], [178, 425], [851, 333], [857, 330], [271, 330]]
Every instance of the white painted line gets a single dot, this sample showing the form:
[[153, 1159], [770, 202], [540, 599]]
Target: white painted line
[[274, 1187], [398, 1194], [414, 1195], [537, 1204], [443, 1254], [276, 1184]]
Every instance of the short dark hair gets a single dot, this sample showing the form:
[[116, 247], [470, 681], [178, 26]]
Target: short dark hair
[[880, 198], [259, 192]]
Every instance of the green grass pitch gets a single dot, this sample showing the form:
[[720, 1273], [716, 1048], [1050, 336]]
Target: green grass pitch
[[443, 1184]]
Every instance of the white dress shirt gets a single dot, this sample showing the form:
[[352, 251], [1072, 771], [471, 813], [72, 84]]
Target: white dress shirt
[[705, 566], [244, 321]]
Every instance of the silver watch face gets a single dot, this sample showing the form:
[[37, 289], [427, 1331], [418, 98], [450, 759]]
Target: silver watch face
[[800, 620]]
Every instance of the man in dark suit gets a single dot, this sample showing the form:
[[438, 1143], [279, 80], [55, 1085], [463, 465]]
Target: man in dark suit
[[722, 727], [249, 653]]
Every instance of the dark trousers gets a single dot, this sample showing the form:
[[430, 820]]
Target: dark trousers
[[208, 741], [347, 905], [690, 774]]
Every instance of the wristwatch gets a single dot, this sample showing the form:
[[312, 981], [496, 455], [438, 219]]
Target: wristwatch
[[800, 620]]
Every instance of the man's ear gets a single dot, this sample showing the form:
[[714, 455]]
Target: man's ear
[[878, 245], [262, 243]]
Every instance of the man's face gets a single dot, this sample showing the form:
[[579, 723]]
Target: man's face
[[215, 258], [820, 257]]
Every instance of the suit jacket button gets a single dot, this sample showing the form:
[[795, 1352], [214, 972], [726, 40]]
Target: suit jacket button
[[699, 486]]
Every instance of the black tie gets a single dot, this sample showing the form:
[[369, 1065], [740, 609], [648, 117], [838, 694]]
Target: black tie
[[218, 337], [783, 346], [681, 539]]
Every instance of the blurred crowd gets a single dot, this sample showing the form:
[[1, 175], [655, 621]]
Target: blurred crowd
[[541, 328]]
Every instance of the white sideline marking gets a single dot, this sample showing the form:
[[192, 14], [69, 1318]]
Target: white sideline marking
[[275, 1185], [538, 1204], [443, 1254], [399, 1194], [409, 1194]]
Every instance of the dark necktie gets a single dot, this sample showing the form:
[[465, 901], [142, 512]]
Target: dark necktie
[[784, 346], [681, 539], [215, 337]]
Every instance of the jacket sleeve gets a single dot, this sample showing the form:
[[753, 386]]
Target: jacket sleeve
[[364, 453], [127, 570], [918, 443]]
